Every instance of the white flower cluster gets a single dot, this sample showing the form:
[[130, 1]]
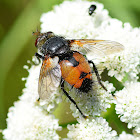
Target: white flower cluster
[[128, 105], [97, 129], [71, 19], [125, 136], [29, 119]]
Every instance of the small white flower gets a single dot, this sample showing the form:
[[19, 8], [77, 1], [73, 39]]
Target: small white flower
[[97, 129], [125, 136], [27, 121], [128, 105]]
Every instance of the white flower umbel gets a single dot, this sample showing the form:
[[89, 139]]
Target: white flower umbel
[[125, 65], [128, 105], [27, 121], [125, 136], [71, 19], [97, 129]]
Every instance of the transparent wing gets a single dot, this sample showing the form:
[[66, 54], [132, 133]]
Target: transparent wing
[[96, 47], [49, 79]]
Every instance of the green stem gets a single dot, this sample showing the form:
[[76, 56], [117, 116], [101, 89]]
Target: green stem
[[114, 121]]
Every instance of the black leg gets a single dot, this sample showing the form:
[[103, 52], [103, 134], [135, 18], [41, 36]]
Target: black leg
[[38, 56], [62, 87], [97, 74]]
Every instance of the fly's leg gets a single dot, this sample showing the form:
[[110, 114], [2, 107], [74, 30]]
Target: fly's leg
[[62, 87], [97, 74], [38, 56]]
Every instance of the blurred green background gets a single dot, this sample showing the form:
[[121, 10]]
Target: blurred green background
[[18, 19]]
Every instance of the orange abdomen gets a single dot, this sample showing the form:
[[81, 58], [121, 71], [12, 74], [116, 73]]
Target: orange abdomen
[[76, 71]]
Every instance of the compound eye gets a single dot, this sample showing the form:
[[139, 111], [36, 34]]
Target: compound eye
[[36, 41]]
